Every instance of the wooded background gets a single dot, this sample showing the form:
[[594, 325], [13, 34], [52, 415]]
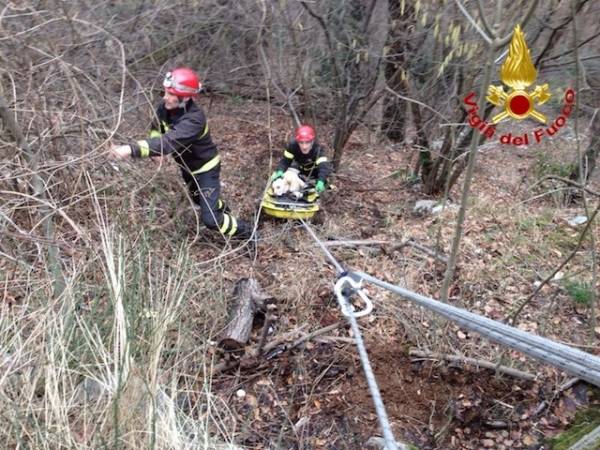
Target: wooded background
[[76, 76]]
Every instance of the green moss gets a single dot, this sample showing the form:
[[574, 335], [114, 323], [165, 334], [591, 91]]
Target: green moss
[[546, 165], [535, 223], [406, 175], [560, 239], [584, 423], [580, 291]]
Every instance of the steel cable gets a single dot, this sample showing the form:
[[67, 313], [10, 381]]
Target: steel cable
[[388, 436], [572, 360]]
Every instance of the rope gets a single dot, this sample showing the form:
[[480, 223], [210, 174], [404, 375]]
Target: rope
[[338, 267], [388, 436], [344, 279]]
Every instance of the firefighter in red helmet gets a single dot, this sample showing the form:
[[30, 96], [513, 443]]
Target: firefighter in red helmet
[[305, 152], [181, 129]]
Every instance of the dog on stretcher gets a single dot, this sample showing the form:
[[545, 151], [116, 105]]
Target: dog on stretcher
[[290, 183]]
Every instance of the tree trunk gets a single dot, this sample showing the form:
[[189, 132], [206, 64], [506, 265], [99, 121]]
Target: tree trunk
[[448, 164], [248, 299], [424, 163], [394, 108], [340, 137], [394, 116], [590, 155]]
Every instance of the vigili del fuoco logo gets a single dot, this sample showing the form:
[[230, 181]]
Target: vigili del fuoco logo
[[518, 73]]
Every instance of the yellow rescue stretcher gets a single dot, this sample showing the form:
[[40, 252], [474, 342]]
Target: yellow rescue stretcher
[[291, 205]]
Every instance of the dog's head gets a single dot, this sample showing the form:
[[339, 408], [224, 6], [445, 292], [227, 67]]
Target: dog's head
[[293, 180], [279, 186]]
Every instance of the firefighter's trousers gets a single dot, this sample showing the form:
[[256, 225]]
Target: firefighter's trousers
[[205, 189]]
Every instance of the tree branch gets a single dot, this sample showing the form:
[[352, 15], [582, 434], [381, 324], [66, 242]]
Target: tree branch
[[513, 317], [569, 182], [528, 15], [475, 362], [486, 26], [329, 41], [472, 21]]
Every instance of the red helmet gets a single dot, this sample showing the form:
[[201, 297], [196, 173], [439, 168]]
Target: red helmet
[[305, 134], [183, 82]]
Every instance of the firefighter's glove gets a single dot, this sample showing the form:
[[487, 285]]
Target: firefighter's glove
[[121, 151], [320, 186], [277, 174]]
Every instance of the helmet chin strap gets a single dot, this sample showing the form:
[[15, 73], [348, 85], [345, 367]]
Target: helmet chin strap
[[182, 101]]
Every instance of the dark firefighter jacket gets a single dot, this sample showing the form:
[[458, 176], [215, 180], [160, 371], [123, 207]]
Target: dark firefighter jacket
[[314, 163], [184, 133]]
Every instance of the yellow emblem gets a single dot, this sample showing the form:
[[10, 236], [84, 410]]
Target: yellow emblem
[[518, 73]]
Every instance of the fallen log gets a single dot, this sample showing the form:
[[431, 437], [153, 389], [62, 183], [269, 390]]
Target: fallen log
[[562, 388], [248, 300], [433, 253], [475, 362], [285, 342], [354, 243]]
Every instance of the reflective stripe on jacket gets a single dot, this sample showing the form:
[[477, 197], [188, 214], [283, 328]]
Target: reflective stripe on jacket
[[314, 162], [183, 133]]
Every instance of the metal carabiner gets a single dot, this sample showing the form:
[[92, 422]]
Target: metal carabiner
[[344, 305]]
